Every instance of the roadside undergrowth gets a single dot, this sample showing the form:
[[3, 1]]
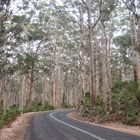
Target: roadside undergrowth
[[125, 104], [13, 112]]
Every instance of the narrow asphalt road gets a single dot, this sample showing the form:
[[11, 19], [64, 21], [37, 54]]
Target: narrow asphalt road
[[54, 125]]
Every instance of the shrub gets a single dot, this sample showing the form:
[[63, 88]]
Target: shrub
[[38, 106], [10, 115], [13, 112], [125, 99]]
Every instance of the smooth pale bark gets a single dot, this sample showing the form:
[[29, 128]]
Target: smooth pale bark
[[5, 90], [9, 93], [110, 84], [91, 55], [83, 80], [22, 92], [82, 55], [135, 35], [97, 78], [43, 89], [29, 103], [58, 80], [106, 70], [56, 77], [54, 92], [82, 67]]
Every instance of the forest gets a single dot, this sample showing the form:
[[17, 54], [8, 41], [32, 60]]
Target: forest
[[70, 53]]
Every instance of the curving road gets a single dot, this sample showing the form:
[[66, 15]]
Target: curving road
[[54, 125]]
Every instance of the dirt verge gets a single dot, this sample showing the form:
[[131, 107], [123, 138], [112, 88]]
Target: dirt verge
[[135, 130], [16, 130]]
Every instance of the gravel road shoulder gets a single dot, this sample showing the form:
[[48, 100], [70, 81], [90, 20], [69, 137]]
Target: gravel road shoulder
[[17, 129]]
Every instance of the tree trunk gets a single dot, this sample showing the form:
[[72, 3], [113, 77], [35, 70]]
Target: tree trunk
[[82, 55], [91, 55], [22, 92], [135, 35], [97, 75], [43, 89], [5, 93], [106, 72], [31, 85]]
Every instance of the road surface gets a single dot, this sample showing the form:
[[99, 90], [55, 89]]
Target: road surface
[[54, 125]]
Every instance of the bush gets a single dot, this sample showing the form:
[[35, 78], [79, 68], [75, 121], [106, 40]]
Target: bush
[[13, 112], [66, 105], [47, 106], [125, 99], [10, 115], [38, 106], [87, 100]]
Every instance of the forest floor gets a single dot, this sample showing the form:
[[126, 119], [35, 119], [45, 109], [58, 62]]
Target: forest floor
[[17, 129], [135, 130]]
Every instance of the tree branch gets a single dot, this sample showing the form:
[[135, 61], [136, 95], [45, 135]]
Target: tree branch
[[131, 9], [84, 3], [96, 22], [39, 44]]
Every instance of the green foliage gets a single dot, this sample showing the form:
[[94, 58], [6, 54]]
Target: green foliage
[[126, 92], [123, 48], [26, 62], [13, 112], [99, 101], [87, 100], [125, 102], [47, 106], [10, 115], [18, 19], [123, 41], [107, 8], [34, 33], [66, 105], [97, 113], [38, 106]]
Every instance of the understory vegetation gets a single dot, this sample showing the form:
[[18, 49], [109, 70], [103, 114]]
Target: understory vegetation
[[10, 115], [13, 112], [125, 105]]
